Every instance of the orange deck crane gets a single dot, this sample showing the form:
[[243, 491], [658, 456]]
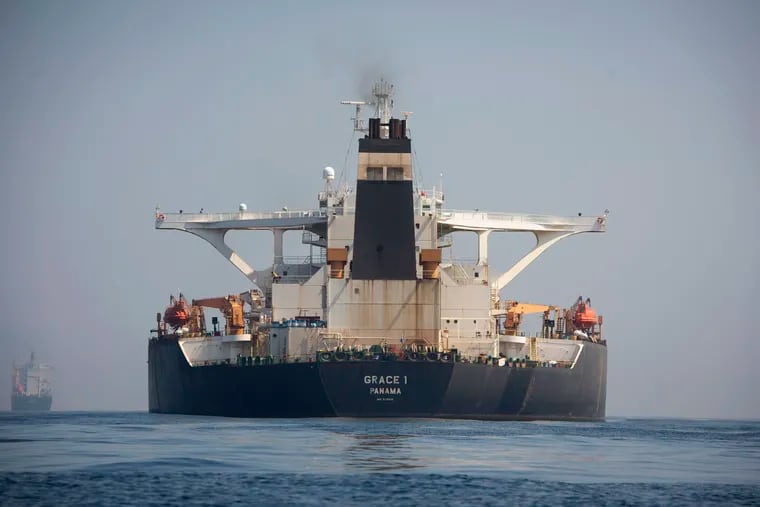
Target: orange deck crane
[[231, 307], [515, 310]]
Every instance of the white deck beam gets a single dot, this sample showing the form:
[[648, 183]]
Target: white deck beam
[[516, 222], [216, 238], [547, 229], [214, 226], [543, 241], [243, 220]]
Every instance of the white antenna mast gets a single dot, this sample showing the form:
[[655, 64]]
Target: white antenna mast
[[383, 102]]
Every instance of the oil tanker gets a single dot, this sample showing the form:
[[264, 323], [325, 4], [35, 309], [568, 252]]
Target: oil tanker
[[379, 319]]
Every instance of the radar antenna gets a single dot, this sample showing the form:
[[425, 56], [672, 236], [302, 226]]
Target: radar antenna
[[358, 124]]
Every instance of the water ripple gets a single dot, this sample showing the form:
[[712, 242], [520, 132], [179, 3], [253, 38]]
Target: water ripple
[[139, 458]]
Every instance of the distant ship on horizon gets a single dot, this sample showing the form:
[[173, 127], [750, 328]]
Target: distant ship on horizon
[[30, 387]]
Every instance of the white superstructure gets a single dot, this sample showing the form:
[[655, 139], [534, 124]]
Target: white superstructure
[[450, 304]]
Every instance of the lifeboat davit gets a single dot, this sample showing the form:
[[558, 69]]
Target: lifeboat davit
[[177, 315], [585, 316]]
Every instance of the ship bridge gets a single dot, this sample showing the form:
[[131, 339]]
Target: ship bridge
[[548, 230]]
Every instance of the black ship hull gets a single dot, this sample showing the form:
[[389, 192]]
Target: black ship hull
[[380, 388], [26, 403]]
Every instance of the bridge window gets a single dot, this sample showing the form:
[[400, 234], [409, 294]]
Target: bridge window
[[374, 173], [395, 173]]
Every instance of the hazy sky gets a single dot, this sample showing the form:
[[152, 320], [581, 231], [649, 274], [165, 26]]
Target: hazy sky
[[650, 109]]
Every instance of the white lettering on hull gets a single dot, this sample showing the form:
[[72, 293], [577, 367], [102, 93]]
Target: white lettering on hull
[[385, 385], [384, 379], [385, 390]]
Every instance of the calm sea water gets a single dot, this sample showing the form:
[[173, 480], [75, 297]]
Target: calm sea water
[[144, 459]]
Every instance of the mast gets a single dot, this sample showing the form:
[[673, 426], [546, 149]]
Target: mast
[[382, 90]]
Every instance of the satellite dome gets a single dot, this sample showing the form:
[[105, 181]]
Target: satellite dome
[[242, 206], [328, 173]]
